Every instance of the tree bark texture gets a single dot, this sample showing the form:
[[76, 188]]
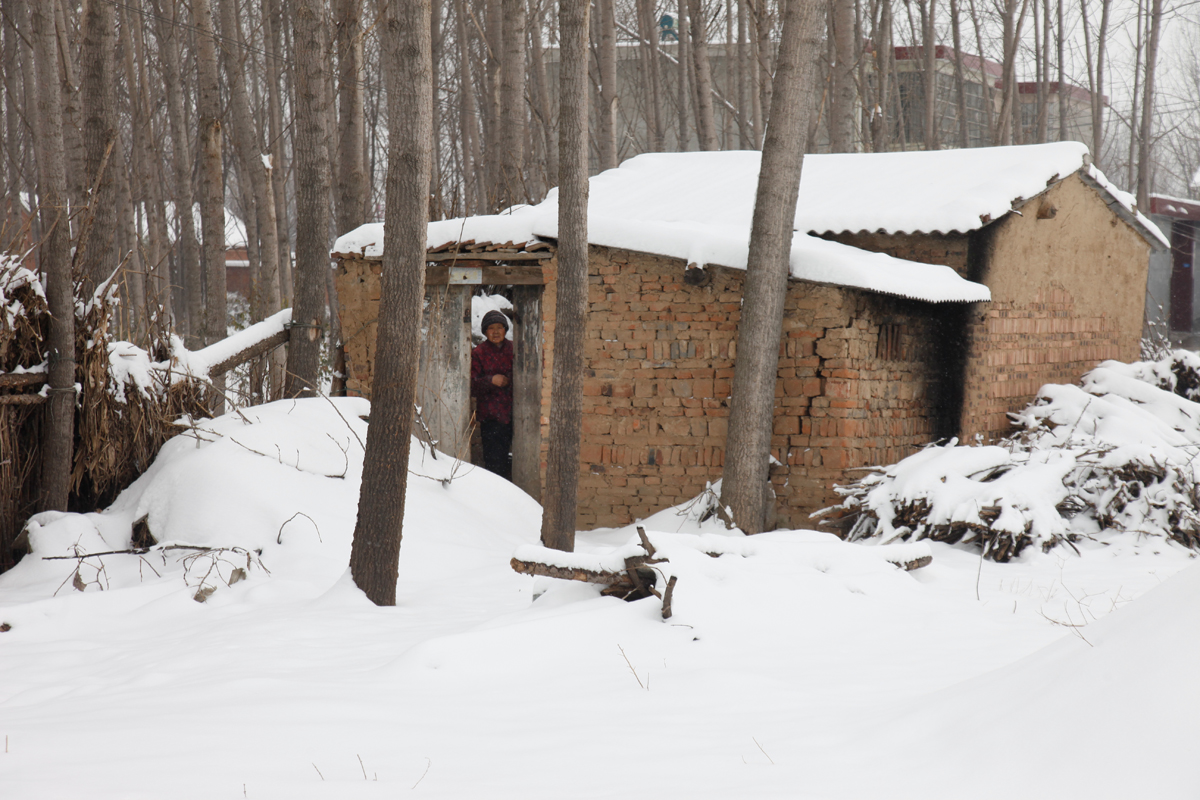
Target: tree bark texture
[[1144, 164], [352, 187], [312, 203], [212, 183], [843, 97], [560, 498], [606, 119], [706, 127], [96, 251], [745, 488], [512, 106], [265, 291], [181, 169], [54, 259], [375, 553]]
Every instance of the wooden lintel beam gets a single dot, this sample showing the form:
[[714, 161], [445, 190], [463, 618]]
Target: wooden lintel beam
[[488, 274], [489, 256]]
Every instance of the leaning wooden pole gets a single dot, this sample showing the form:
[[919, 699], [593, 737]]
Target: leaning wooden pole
[[566, 389]]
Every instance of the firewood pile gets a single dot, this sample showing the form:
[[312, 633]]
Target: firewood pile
[[1120, 453]]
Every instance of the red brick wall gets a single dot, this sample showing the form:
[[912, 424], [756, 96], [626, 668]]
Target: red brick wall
[[659, 359]]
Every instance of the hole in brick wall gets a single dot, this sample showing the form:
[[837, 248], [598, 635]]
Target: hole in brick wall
[[888, 347]]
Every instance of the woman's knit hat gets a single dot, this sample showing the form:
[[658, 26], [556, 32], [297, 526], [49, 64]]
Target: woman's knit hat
[[491, 318]]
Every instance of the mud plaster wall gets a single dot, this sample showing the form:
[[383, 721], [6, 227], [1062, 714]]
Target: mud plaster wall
[[659, 358], [1068, 281]]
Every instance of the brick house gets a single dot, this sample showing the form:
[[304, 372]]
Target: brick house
[[890, 340]]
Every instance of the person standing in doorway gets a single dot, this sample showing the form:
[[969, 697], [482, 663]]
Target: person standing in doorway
[[491, 386]]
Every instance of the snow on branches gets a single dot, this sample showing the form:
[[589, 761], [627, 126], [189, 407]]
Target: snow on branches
[[1118, 453]]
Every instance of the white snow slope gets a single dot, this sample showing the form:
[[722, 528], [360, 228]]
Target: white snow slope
[[795, 666]]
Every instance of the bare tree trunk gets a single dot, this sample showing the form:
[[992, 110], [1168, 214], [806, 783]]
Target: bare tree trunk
[[351, 193], [929, 52], [512, 106], [54, 258], [746, 122], [684, 89], [12, 124], [256, 175], [1098, 93], [706, 128], [960, 82], [1134, 120], [96, 252], [1062, 78], [273, 21], [745, 487], [1147, 132], [1012, 41], [76, 161], [885, 57], [212, 184], [475, 189], [1043, 115], [651, 75], [375, 552], [606, 119], [560, 499], [181, 164], [842, 96], [157, 279], [988, 120], [312, 200], [494, 46]]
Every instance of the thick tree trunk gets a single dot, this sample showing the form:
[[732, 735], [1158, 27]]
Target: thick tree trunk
[[606, 120], [75, 160], [1098, 93], [706, 128], [351, 195], [512, 106], [96, 252], [1144, 165], [375, 553], [929, 52], [745, 488], [1062, 77], [560, 499], [212, 184], [843, 99], [312, 202], [54, 258], [881, 116]]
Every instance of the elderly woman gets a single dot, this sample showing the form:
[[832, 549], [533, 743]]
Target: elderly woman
[[491, 386]]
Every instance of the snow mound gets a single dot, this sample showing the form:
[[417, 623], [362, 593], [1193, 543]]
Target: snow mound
[[270, 490], [1118, 453]]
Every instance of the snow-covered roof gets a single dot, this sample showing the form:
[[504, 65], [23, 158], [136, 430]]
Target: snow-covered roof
[[698, 207]]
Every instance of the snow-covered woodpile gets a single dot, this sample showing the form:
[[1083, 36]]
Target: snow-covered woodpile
[[1120, 452]]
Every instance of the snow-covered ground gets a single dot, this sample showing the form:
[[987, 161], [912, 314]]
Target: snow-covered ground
[[795, 666]]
